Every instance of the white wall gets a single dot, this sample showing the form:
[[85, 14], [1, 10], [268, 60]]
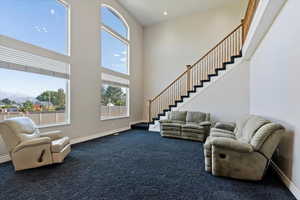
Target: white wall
[[274, 84], [171, 45], [227, 98], [86, 72]]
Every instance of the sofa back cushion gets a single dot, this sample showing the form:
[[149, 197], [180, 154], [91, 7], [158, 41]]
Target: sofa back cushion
[[177, 115], [196, 117], [253, 124], [240, 123]]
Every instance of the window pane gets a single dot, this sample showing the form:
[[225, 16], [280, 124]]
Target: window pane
[[41, 23], [114, 101], [114, 53], [43, 98], [112, 20]]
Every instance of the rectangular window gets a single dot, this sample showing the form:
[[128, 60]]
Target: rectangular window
[[114, 53], [33, 86], [114, 101]]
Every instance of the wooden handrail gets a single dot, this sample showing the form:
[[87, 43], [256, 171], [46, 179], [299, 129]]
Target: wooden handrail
[[247, 21], [239, 26]]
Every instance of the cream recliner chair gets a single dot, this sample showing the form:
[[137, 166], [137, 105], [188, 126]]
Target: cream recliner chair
[[28, 148]]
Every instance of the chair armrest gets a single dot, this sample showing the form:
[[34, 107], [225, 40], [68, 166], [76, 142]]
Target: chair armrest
[[32, 142], [53, 135], [231, 144], [229, 126], [205, 123], [217, 130], [223, 135]]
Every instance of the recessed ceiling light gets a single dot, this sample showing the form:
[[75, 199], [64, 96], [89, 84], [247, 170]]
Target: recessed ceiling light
[[165, 13]]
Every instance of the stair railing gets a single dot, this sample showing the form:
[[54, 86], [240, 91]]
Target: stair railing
[[247, 21], [207, 66]]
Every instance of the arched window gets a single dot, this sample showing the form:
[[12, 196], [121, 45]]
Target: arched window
[[114, 41], [114, 21], [41, 23], [115, 57]]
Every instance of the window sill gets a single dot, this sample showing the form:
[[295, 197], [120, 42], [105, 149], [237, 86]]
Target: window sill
[[54, 125], [114, 118]]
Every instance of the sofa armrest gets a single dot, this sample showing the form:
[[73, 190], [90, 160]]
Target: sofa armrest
[[232, 144], [32, 142], [205, 123], [229, 126], [222, 135], [53, 135]]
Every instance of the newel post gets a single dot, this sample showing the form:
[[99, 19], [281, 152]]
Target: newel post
[[188, 79], [149, 111]]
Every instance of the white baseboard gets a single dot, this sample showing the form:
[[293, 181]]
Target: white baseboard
[[137, 122], [4, 158], [98, 135], [288, 183]]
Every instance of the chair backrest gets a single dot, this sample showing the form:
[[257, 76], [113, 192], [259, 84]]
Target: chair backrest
[[197, 117], [256, 130], [253, 124], [16, 130]]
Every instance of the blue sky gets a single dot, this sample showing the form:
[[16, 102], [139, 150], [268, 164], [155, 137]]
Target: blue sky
[[44, 23], [39, 22], [28, 84]]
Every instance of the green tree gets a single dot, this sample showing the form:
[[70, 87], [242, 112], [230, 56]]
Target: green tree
[[61, 99], [27, 106], [114, 95], [57, 98], [7, 101]]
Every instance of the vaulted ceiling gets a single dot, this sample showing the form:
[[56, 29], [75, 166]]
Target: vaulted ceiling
[[149, 12]]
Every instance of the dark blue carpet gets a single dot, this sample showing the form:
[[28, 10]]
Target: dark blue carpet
[[135, 165]]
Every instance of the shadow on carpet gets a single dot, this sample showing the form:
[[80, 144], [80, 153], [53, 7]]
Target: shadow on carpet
[[135, 165]]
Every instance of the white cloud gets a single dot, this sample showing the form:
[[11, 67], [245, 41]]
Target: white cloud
[[37, 28], [117, 55], [123, 59], [41, 29], [124, 52], [45, 30], [52, 11]]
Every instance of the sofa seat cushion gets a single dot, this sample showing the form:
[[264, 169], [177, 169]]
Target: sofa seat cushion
[[176, 125], [58, 145], [192, 126], [197, 131], [168, 121]]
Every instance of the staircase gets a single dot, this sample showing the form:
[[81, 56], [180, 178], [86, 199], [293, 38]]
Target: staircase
[[202, 71]]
